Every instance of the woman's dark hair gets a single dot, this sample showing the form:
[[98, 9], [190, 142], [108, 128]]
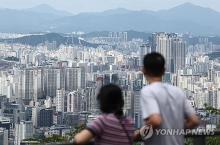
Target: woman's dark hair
[[111, 100]]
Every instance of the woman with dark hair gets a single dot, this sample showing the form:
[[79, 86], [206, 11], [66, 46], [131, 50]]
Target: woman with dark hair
[[112, 127]]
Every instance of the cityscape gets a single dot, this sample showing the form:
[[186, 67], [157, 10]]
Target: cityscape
[[49, 81]]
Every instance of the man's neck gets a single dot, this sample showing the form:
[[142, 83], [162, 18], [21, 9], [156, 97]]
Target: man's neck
[[154, 80]]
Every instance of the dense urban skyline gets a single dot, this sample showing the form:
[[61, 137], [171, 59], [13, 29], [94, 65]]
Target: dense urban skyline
[[53, 64], [78, 6], [49, 87]]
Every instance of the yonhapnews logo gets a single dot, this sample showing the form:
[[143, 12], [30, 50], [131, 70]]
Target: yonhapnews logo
[[146, 132]]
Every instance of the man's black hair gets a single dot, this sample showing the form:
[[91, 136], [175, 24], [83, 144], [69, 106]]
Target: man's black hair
[[154, 64], [111, 100]]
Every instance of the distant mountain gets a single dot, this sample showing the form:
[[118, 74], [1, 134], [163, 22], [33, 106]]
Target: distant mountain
[[22, 21], [35, 40], [29, 20], [109, 21], [117, 11], [183, 18], [46, 9], [96, 34], [192, 18]]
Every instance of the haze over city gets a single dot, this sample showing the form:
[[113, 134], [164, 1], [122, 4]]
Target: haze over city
[[77, 6], [153, 58]]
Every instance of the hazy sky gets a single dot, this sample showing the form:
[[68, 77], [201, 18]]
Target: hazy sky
[[77, 6]]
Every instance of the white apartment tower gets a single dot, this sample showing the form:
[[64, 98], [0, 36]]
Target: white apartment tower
[[54, 78], [38, 84], [25, 84], [23, 130], [75, 78], [30, 84], [60, 96], [50, 84], [73, 102], [172, 47], [144, 49], [3, 136]]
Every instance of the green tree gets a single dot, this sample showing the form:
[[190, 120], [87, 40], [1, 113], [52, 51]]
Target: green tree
[[213, 140], [54, 138]]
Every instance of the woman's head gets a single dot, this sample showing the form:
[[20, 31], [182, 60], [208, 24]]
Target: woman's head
[[111, 100]]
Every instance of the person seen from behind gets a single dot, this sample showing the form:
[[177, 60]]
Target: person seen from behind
[[111, 127], [164, 106]]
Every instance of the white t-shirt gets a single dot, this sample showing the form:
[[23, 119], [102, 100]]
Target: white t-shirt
[[171, 103]]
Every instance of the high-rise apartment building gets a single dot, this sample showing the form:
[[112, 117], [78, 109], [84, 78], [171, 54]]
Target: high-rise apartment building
[[61, 78], [38, 83], [137, 115], [23, 130], [172, 47], [73, 102], [60, 96], [118, 36], [26, 83], [3, 136], [50, 84], [179, 48], [144, 49], [45, 117], [90, 95], [75, 78], [30, 84], [213, 98]]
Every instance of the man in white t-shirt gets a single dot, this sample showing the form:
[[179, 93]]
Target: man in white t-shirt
[[164, 106]]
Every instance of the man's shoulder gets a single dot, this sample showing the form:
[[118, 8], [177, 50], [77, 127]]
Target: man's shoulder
[[146, 88], [174, 89], [151, 87]]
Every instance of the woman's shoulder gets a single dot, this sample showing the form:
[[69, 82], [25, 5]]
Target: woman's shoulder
[[112, 117], [104, 117]]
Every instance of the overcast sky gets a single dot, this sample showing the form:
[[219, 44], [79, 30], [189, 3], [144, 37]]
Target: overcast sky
[[77, 6]]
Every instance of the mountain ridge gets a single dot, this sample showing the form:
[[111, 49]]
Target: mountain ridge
[[183, 18], [44, 8], [34, 40]]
